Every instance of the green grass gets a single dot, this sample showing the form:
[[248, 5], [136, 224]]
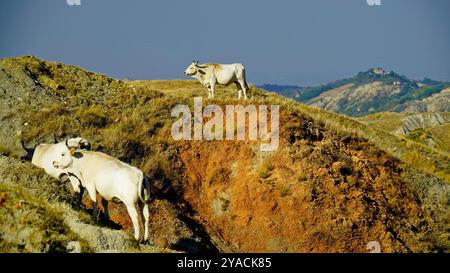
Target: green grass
[[441, 134], [388, 121], [30, 224]]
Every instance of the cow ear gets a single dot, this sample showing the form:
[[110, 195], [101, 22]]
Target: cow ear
[[201, 72]]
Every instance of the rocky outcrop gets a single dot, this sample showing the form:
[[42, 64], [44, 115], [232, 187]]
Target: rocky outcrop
[[415, 121], [431, 129], [439, 102], [354, 100]]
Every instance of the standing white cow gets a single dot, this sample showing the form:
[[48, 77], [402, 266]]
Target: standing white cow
[[211, 74], [111, 178], [45, 154]]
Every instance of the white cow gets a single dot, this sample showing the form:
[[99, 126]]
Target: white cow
[[44, 155], [211, 74], [111, 178]]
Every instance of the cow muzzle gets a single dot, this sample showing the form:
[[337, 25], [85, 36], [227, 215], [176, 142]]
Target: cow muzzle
[[59, 165]]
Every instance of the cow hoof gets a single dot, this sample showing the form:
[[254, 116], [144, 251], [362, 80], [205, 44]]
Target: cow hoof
[[147, 242]]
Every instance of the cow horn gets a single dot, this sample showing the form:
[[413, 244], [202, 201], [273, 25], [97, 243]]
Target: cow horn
[[84, 144], [78, 143]]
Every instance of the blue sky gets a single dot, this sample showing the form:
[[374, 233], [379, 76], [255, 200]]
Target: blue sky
[[284, 41]]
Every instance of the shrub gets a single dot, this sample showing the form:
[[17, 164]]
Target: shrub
[[265, 168], [93, 117], [219, 175], [284, 190]]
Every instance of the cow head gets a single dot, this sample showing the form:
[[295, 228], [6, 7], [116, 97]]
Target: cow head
[[192, 69], [65, 151]]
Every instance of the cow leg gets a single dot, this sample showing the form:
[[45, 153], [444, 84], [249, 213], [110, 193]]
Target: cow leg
[[239, 90], [134, 218], [79, 198], [105, 208], [146, 214], [209, 90], [78, 189], [94, 211], [244, 88], [93, 195], [212, 90]]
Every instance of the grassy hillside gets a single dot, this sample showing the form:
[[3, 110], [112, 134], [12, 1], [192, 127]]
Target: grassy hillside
[[430, 129], [333, 185]]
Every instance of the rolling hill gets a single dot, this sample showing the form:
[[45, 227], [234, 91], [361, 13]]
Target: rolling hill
[[373, 91], [333, 185]]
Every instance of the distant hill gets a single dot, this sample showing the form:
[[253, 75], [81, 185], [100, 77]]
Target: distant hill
[[373, 91], [290, 91]]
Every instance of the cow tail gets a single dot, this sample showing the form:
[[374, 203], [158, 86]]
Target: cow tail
[[143, 186], [245, 79]]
